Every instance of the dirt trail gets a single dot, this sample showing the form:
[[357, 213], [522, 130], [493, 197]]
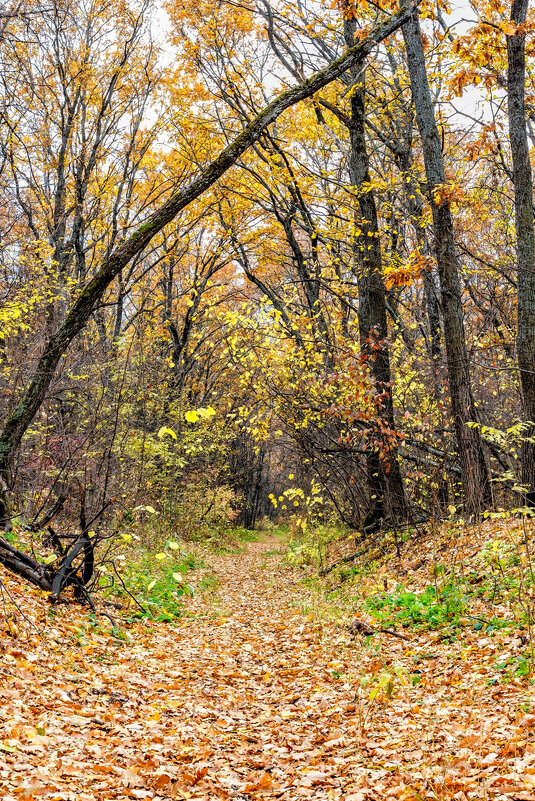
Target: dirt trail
[[252, 697]]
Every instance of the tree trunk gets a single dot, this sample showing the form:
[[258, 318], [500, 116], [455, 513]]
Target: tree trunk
[[384, 475], [525, 239], [81, 310], [475, 479]]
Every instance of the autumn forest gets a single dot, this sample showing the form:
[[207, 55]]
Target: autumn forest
[[267, 399]]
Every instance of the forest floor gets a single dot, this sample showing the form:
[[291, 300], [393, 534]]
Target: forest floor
[[258, 692]]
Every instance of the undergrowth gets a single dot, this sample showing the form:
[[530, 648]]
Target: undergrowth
[[153, 585], [448, 578], [156, 588]]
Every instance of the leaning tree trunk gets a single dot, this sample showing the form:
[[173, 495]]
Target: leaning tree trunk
[[82, 308], [475, 478], [525, 239], [384, 475]]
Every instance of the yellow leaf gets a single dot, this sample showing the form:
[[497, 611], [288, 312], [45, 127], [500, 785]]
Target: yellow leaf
[[206, 413], [165, 430]]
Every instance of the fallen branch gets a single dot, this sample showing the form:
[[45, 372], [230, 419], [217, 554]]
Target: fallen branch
[[25, 566], [344, 561], [361, 627]]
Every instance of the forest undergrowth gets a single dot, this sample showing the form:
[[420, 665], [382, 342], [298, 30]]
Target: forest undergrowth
[[256, 688]]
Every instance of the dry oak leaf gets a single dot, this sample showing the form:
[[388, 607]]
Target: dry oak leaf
[[264, 783], [312, 777], [195, 778]]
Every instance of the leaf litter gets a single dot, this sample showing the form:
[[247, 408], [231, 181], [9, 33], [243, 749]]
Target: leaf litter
[[250, 696]]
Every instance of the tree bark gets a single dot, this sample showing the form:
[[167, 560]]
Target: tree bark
[[525, 238], [475, 479], [384, 475], [82, 308]]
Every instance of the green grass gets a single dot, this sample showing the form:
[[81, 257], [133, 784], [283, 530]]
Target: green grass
[[245, 534]]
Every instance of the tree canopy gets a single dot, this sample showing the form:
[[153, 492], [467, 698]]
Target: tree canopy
[[262, 259]]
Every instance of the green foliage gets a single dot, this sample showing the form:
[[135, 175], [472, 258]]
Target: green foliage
[[158, 582], [246, 534], [429, 609], [280, 530], [208, 583], [506, 577], [518, 666]]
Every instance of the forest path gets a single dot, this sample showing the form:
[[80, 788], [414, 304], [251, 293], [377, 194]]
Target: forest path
[[253, 696]]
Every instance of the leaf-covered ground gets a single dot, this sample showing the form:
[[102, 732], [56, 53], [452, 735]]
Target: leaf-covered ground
[[252, 695]]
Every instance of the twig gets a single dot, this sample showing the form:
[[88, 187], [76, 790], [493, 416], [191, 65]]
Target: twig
[[344, 561], [25, 617], [361, 627], [125, 588], [112, 621]]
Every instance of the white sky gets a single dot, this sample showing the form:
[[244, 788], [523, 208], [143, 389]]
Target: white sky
[[461, 17]]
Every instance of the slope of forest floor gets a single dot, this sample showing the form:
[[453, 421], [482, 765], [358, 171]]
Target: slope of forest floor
[[259, 691]]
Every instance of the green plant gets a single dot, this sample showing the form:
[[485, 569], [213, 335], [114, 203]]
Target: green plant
[[429, 609], [156, 583], [524, 666], [519, 666]]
